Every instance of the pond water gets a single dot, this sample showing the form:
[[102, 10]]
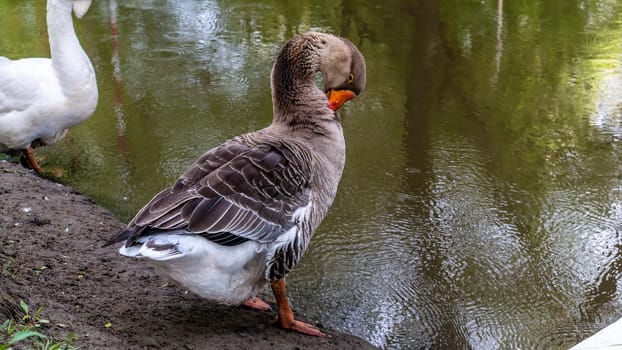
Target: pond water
[[481, 204]]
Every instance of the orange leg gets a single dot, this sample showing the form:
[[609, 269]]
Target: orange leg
[[257, 304], [30, 158], [286, 315]]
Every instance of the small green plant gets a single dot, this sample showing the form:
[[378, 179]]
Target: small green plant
[[35, 321], [9, 158], [9, 269], [13, 334], [39, 270], [26, 332]]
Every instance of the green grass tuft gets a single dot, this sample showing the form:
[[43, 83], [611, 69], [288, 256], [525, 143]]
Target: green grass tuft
[[27, 332]]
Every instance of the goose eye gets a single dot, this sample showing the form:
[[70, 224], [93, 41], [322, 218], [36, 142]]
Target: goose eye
[[350, 78]]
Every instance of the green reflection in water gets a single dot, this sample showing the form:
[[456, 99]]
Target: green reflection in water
[[481, 203]]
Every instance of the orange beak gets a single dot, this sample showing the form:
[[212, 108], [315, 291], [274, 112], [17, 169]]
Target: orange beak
[[336, 98]]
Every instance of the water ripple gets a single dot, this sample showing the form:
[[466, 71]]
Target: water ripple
[[161, 54]]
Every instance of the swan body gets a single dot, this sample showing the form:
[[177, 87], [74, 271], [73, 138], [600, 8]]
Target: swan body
[[41, 98], [242, 215]]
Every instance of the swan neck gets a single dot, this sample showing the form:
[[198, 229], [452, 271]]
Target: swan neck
[[61, 34], [71, 64]]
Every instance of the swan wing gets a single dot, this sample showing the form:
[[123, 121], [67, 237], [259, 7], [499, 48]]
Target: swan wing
[[25, 82]]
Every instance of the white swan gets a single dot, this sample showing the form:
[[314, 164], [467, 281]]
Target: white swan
[[41, 98]]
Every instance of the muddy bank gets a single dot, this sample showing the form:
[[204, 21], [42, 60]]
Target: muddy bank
[[50, 239]]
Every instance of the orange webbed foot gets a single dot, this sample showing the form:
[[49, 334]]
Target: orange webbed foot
[[286, 316], [28, 160], [299, 327], [257, 304]]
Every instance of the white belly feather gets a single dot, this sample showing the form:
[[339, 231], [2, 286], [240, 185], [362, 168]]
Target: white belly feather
[[223, 274]]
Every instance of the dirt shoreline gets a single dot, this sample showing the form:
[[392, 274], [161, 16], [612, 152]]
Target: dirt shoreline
[[50, 239]]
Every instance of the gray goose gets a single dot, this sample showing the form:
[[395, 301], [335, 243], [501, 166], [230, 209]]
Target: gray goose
[[242, 215]]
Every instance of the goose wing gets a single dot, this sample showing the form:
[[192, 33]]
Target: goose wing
[[233, 193]]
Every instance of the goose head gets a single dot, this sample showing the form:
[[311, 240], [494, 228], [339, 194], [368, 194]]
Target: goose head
[[295, 93], [343, 71], [80, 7]]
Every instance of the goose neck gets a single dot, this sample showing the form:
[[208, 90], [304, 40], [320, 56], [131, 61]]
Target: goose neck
[[294, 92]]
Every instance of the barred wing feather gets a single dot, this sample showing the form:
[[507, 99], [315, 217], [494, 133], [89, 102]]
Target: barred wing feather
[[231, 194]]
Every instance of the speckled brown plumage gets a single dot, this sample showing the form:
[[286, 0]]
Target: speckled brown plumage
[[270, 188]]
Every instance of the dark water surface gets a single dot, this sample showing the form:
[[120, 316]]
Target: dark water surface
[[481, 204]]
